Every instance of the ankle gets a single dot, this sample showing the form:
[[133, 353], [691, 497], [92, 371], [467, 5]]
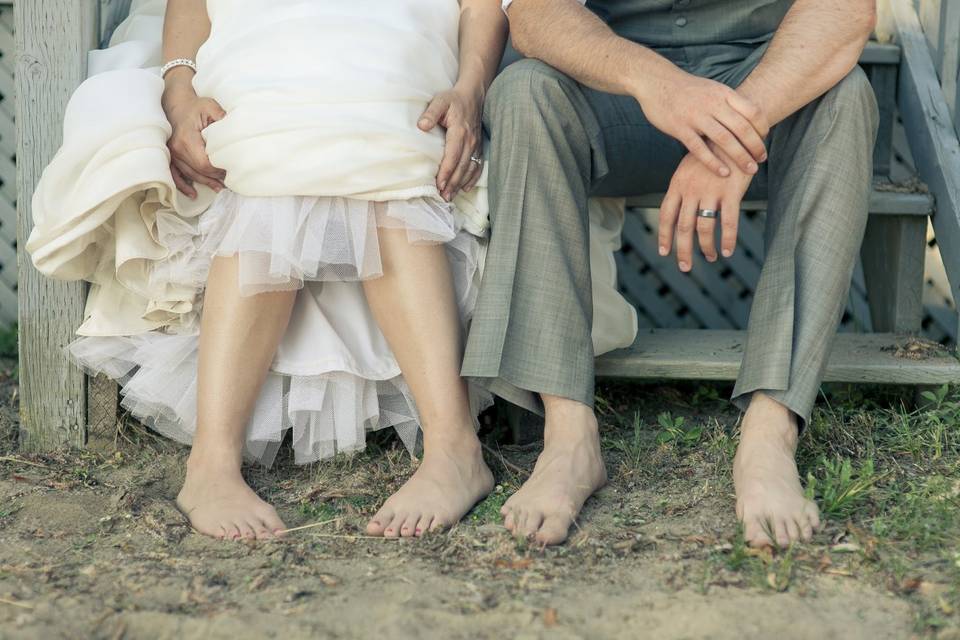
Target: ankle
[[204, 460], [765, 417], [569, 423], [459, 442]]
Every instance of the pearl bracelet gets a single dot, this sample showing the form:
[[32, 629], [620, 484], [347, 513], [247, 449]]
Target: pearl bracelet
[[178, 62]]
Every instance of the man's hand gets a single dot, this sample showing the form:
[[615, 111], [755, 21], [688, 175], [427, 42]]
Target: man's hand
[[694, 187], [695, 110]]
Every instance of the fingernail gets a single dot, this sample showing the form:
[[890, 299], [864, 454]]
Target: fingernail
[[764, 158], [423, 122], [752, 167], [663, 251], [684, 266], [727, 253], [724, 172], [443, 185]]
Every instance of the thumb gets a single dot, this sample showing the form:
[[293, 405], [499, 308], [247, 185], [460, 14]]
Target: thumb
[[433, 114], [213, 111]]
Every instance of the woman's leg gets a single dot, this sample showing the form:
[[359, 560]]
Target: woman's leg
[[238, 338], [414, 304]]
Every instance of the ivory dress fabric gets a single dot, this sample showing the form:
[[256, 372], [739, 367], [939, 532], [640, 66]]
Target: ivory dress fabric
[[320, 149]]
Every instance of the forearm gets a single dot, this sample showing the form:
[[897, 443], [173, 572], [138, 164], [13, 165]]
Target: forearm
[[571, 38], [186, 26], [483, 35], [817, 45]]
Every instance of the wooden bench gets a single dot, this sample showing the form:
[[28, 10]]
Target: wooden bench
[[60, 406]]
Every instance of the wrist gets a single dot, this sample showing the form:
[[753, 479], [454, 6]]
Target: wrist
[[649, 74], [472, 88]]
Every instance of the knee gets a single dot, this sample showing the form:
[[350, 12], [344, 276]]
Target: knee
[[526, 93], [854, 100]]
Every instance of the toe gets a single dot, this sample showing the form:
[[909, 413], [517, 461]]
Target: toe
[[392, 530], [424, 525], [246, 531], [793, 531], [510, 520], [271, 520], [262, 529], [409, 526], [755, 534], [813, 515], [531, 523], [806, 529], [780, 531], [379, 522], [554, 530], [233, 533]]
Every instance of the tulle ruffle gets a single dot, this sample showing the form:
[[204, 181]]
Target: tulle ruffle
[[334, 379]]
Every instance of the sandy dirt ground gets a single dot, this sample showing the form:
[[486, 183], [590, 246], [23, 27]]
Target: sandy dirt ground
[[91, 546]]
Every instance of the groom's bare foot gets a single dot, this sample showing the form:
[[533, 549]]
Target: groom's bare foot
[[218, 502], [569, 471], [451, 478], [770, 500]]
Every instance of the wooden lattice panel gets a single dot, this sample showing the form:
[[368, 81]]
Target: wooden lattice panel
[[8, 171]]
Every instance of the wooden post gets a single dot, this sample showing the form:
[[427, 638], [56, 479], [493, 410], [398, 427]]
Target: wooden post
[[53, 38]]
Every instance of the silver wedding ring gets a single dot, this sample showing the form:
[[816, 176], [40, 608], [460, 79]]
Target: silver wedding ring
[[476, 160], [706, 213]]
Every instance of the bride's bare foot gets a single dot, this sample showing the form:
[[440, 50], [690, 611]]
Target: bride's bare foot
[[770, 500], [569, 471], [219, 503], [451, 478]]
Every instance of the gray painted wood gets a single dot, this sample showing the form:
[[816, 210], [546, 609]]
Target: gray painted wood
[[883, 78], [933, 139], [893, 254], [53, 37], [716, 355]]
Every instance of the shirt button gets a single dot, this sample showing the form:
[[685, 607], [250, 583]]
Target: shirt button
[[681, 22]]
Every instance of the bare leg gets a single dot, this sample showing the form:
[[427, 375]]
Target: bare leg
[[569, 470], [414, 304], [239, 336], [770, 500]]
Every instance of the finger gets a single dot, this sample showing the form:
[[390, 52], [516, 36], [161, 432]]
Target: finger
[[745, 133], [433, 114], [722, 137], [669, 212], [452, 153], [729, 222], [212, 112], [196, 176], [459, 174], [706, 232], [695, 144], [750, 111], [685, 227], [474, 178], [196, 150], [181, 183]]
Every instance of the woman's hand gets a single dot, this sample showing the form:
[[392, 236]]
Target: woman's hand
[[189, 163], [458, 111]]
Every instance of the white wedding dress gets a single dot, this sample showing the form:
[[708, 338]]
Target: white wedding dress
[[321, 149]]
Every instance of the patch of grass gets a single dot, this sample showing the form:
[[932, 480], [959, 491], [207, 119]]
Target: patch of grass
[[841, 485], [488, 510], [319, 511], [673, 430]]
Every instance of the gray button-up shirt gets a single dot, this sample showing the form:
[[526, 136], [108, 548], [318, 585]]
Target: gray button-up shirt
[[681, 23]]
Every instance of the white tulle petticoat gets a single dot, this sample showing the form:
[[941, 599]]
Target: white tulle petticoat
[[333, 378]]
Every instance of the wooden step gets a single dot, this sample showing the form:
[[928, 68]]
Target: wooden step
[[876, 53], [882, 202], [692, 354]]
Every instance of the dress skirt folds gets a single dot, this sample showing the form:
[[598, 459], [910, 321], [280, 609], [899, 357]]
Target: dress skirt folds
[[321, 152]]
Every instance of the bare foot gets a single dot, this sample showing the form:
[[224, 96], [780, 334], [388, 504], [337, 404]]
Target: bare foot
[[569, 471], [770, 500], [451, 478], [219, 503]]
